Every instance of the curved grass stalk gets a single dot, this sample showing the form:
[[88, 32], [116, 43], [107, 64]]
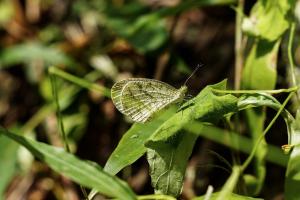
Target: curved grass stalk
[[278, 91], [252, 154], [79, 81], [290, 57]]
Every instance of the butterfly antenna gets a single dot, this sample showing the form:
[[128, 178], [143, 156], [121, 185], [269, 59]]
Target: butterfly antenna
[[198, 66]]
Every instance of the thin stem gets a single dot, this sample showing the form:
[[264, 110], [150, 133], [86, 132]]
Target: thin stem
[[238, 45], [60, 122], [59, 116], [79, 81], [288, 90], [251, 156], [156, 197], [290, 56]]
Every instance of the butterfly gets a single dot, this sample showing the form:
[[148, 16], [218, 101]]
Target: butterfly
[[141, 98]]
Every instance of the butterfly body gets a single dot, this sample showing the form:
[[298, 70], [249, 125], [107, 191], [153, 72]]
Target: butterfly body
[[141, 98]]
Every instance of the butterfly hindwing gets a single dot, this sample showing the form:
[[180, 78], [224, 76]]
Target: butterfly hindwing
[[140, 98]]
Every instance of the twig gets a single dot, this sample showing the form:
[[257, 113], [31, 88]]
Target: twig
[[238, 45]]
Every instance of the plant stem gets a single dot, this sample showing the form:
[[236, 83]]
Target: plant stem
[[59, 116], [288, 90], [251, 156], [79, 81], [290, 57], [238, 45]]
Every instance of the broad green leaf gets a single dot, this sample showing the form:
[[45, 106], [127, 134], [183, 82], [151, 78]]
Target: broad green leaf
[[131, 147], [8, 166], [82, 172], [167, 170], [206, 107], [292, 181], [260, 66], [232, 196], [268, 19], [168, 162], [163, 154], [31, 51]]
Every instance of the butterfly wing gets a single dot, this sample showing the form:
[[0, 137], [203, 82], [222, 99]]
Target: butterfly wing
[[140, 98]]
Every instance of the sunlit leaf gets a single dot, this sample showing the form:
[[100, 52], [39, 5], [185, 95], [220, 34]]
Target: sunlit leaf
[[33, 51], [82, 172], [269, 19], [8, 167]]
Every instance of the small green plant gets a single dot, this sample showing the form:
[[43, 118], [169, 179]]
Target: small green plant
[[168, 139]]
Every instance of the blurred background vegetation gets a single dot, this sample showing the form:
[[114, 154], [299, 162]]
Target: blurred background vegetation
[[103, 42]]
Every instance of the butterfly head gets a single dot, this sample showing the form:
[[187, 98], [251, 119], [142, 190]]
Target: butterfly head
[[182, 91]]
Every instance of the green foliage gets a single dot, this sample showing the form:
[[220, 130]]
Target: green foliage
[[256, 120], [136, 136], [260, 65], [8, 154], [6, 11], [29, 52], [206, 106], [259, 73], [269, 19], [136, 22], [170, 149], [236, 141], [85, 173], [267, 23], [168, 162], [135, 30], [148, 26]]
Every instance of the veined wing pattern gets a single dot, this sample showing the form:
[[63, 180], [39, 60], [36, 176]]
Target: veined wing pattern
[[140, 98]]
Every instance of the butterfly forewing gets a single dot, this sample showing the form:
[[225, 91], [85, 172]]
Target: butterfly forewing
[[140, 98]]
